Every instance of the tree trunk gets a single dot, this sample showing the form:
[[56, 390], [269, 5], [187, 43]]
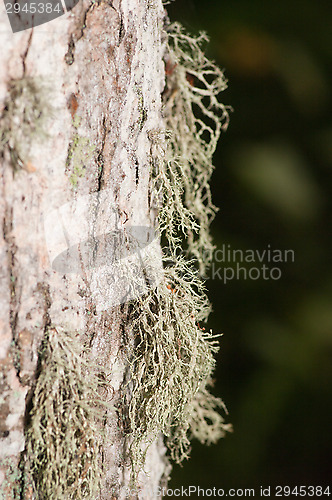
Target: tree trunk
[[80, 96]]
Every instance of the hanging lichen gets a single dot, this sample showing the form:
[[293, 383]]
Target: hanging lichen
[[194, 118], [62, 436], [174, 356]]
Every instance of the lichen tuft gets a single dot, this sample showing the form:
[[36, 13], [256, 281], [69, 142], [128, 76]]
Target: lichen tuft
[[194, 118], [62, 440], [174, 356]]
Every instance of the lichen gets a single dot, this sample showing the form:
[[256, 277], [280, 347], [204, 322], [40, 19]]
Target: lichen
[[174, 355], [171, 367], [62, 437], [23, 120], [80, 153], [194, 118]]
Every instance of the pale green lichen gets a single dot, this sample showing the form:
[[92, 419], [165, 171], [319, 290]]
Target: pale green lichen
[[80, 153], [194, 118], [172, 365], [174, 356], [23, 120], [62, 437]]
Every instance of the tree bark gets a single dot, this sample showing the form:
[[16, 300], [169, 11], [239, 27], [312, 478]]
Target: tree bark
[[102, 73]]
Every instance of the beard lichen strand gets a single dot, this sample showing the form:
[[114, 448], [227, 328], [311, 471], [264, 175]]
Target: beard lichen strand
[[194, 119], [172, 366], [62, 435], [174, 357]]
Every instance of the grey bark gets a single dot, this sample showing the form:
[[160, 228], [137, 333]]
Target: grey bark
[[104, 63]]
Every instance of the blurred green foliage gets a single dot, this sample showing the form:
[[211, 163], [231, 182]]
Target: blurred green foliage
[[272, 184]]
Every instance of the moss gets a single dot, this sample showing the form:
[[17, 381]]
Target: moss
[[80, 152], [62, 440], [24, 118]]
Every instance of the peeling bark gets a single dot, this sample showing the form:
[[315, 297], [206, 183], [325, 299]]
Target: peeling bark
[[102, 66]]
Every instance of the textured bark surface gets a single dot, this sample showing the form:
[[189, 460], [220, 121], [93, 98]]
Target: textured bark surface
[[103, 63]]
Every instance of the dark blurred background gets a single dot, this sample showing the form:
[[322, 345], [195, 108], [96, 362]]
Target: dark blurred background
[[272, 182]]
